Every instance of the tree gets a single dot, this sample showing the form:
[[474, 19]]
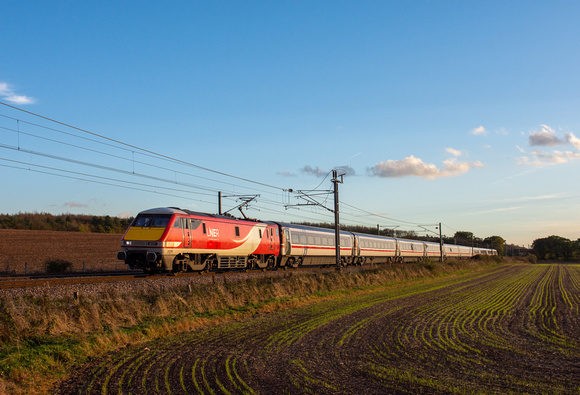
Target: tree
[[554, 248], [495, 242], [463, 237]]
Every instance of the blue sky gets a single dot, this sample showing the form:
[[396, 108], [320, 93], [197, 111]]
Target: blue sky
[[457, 112]]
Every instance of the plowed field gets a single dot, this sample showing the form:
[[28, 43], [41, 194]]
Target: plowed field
[[31, 248], [510, 329]]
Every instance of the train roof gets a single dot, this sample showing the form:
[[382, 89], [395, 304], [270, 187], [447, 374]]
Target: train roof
[[176, 210], [311, 228], [368, 235]]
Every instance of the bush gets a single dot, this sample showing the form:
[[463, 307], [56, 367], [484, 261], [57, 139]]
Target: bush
[[429, 264], [56, 266], [532, 258]]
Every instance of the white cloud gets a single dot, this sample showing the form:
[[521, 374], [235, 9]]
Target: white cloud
[[499, 210], [7, 93], [533, 198], [479, 131], [575, 141], [318, 172], [545, 137], [19, 99], [412, 166], [76, 205], [454, 152], [4, 90], [542, 158], [348, 171], [523, 151]]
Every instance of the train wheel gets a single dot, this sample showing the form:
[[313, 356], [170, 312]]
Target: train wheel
[[271, 263]]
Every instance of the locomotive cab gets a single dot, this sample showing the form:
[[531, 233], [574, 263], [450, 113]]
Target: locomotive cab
[[142, 241]]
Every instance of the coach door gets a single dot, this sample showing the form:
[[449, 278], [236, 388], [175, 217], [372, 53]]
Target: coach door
[[272, 241], [186, 233], [288, 245]]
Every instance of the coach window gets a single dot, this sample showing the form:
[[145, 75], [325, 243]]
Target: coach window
[[260, 230], [317, 241], [237, 231], [203, 225], [310, 240], [295, 238]]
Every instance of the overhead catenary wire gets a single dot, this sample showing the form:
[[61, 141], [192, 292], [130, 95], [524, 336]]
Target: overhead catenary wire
[[98, 166], [102, 182], [276, 200], [132, 159], [379, 215], [143, 149], [80, 174]]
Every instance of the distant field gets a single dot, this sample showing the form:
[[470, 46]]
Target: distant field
[[97, 250]]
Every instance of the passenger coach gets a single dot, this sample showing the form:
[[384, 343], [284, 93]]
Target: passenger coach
[[310, 246]]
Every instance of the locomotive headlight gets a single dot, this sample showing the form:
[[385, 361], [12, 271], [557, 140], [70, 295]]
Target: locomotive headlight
[[126, 242], [171, 244]]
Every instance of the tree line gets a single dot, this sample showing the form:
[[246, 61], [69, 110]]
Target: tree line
[[65, 222], [556, 248]]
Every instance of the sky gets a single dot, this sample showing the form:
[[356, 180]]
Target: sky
[[453, 112]]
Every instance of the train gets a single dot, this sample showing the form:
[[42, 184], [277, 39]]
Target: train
[[170, 239]]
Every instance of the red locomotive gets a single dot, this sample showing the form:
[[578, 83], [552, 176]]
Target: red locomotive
[[176, 240]]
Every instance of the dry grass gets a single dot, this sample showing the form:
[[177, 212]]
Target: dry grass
[[20, 247]]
